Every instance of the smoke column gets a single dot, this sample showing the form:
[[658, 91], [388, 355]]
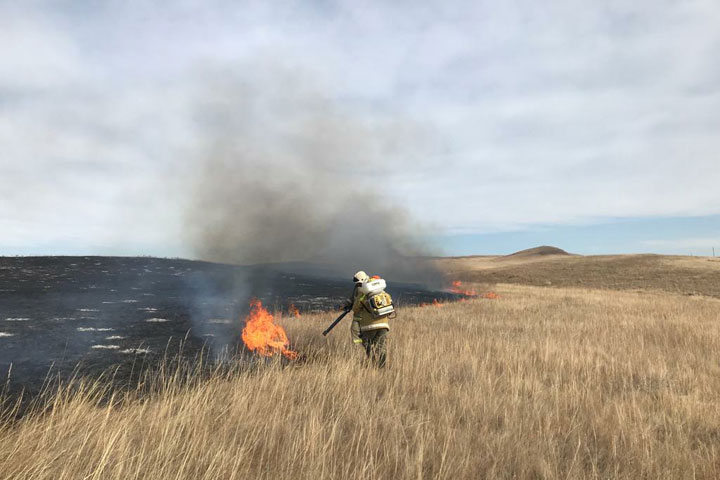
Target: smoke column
[[286, 175]]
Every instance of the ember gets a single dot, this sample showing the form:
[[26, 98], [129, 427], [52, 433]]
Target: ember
[[262, 335], [293, 310], [435, 303]]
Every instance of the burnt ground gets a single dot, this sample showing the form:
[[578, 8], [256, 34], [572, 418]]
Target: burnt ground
[[86, 315]]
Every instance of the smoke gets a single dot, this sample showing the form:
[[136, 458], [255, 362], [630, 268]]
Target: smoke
[[285, 174]]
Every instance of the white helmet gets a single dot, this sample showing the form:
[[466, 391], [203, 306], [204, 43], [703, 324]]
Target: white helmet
[[360, 277]]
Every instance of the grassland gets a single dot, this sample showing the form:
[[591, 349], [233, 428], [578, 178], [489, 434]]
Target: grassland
[[654, 273], [540, 383]]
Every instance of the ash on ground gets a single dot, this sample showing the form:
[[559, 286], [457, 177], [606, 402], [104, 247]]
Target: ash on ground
[[87, 315]]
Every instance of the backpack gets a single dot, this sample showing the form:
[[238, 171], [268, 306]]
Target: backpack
[[380, 304], [377, 301]]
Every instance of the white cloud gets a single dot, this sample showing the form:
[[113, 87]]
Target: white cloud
[[36, 53], [532, 113]]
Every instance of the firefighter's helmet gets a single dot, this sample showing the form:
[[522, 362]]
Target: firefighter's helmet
[[360, 277]]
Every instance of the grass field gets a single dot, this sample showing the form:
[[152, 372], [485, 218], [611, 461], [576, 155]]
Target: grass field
[[658, 273], [540, 383]]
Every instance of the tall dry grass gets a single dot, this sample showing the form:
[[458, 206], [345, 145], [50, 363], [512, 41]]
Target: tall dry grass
[[541, 383]]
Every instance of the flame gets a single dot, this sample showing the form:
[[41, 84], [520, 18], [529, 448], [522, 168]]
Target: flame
[[435, 303], [293, 310], [262, 335], [457, 287]]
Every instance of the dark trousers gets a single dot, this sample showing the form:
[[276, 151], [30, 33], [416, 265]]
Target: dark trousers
[[375, 342]]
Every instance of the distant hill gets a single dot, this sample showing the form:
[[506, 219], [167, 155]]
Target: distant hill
[[539, 251]]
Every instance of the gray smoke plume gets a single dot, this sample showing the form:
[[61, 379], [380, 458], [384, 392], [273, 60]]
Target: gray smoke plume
[[287, 175]]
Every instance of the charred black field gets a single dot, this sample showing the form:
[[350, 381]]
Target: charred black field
[[89, 315]]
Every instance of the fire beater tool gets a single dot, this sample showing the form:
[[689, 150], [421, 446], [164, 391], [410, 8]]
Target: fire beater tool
[[337, 320]]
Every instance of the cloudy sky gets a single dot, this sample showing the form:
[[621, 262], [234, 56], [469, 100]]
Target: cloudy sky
[[593, 126]]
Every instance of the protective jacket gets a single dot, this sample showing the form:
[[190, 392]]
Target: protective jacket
[[362, 315]]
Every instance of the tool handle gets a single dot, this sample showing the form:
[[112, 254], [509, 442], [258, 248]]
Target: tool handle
[[337, 320]]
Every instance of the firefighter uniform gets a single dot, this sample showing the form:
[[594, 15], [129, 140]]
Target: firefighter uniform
[[365, 329]]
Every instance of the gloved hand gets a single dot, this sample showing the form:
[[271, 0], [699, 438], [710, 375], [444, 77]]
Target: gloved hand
[[347, 304]]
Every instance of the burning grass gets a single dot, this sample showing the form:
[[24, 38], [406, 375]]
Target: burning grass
[[262, 335], [539, 383]]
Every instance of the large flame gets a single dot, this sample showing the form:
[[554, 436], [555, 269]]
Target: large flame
[[262, 335]]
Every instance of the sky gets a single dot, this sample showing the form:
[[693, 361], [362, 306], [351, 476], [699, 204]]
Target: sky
[[592, 126]]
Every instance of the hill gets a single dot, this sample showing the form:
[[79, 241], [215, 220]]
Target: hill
[[539, 251]]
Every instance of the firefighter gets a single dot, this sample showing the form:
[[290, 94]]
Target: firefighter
[[365, 329]]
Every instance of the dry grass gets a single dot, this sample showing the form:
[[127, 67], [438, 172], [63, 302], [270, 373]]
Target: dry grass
[[542, 383], [674, 274]]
